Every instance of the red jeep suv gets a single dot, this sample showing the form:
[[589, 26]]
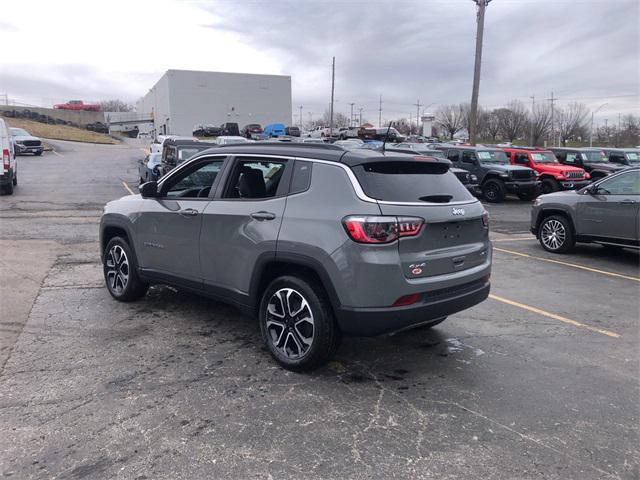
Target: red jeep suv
[[552, 174]]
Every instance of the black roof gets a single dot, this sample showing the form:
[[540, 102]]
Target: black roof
[[580, 149], [620, 149], [475, 149], [327, 152]]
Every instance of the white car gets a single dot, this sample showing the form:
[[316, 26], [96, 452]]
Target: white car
[[231, 139], [9, 176]]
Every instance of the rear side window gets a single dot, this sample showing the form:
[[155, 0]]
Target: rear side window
[[411, 182], [301, 177]]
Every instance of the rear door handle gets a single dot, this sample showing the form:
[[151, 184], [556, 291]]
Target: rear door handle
[[628, 201], [263, 216], [189, 212]]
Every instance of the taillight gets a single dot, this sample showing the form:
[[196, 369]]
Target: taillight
[[381, 229], [485, 219], [6, 158]]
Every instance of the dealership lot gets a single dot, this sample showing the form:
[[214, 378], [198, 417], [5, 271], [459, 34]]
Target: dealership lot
[[539, 381]]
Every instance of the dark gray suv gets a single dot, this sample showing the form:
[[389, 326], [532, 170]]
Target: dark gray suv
[[314, 240], [606, 212]]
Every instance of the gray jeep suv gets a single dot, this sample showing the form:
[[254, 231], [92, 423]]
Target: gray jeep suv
[[314, 240]]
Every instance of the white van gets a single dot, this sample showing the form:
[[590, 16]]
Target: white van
[[9, 177]]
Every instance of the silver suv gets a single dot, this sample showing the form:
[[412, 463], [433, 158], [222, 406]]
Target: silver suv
[[313, 240]]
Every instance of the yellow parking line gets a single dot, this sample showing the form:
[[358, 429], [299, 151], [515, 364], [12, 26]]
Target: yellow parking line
[[127, 187], [560, 318], [574, 265]]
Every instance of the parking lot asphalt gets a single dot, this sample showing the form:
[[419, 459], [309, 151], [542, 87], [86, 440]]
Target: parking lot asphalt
[[539, 381]]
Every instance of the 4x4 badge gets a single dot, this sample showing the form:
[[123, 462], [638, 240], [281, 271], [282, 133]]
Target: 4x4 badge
[[458, 211]]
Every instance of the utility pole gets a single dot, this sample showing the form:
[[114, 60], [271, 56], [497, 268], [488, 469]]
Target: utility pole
[[380, 113], [482, 5], [300, 107], [417, 105], [333, 82], [553, 125], [533, 114], [360, 110], [618, 132], [351, 115]]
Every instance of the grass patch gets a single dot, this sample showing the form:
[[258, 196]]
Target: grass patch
[[60, 132]]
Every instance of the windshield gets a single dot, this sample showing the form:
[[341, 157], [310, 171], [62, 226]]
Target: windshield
[[187, 153], [545, 157], [492, 156], [19, 132], [594, 156], [632, 156]]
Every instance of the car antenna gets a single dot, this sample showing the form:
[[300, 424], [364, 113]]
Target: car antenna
[[386, 135]]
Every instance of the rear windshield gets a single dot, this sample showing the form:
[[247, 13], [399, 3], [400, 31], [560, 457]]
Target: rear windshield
[[633, 157], [414, 181]]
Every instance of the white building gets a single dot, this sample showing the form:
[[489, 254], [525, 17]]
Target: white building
[[182, 99]]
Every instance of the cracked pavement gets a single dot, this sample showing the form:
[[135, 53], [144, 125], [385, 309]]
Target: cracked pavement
[[180, 387]]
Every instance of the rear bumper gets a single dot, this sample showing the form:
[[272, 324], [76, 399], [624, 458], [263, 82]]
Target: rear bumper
[[376, 321], [515, 187]]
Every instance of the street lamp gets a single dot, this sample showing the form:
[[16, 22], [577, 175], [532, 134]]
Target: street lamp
[[591, 129]]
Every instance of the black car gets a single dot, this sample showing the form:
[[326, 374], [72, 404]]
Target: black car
[[206, 131], [174, 152], [495, 174], [593, 160], [230, 129], [248, 131], [292, 131], [623, 156], [97, 127]]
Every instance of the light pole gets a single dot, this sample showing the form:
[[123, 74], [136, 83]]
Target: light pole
[[591, 129], [482, 5], [300, 108]]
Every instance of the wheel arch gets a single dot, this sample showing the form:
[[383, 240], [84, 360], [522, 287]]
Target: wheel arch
[[114, 226], [548, 212], [270, 266]]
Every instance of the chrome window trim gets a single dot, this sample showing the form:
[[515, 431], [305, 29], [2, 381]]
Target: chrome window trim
[[352, 178]]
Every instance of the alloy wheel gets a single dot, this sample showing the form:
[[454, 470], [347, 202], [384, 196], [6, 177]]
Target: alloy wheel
[[289, 322], [553, 234], [117, 266]]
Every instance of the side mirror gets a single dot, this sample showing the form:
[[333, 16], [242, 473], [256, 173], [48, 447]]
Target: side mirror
[[149, 190], [591, 190]]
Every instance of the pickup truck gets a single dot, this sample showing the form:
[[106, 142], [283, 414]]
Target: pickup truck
[[553, 176], [345, 133], [78, 105], [322, 132]]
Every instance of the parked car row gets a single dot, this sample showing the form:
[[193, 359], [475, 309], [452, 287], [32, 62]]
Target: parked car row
[[252, 131]]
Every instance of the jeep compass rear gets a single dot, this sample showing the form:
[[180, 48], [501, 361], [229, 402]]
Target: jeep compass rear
[[314, 241]]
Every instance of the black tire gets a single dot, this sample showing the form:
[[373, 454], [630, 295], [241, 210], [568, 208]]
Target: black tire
[[142, 180], [494, 191], [564, 238], [14, 182], [528, 195], [549, 185], [8, 188], [37, 154], [283, 333], [121, 274]]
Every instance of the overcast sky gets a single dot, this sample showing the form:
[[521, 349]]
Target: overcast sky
[[583, 50]]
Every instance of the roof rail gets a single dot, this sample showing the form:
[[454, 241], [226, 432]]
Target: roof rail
[[326, 146]]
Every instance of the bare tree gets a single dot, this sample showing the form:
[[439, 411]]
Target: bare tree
[[629, 131], [450, 118], [116, 105], [540, 123], [482, 117], [492, 125], [572, 121], [512, 120]]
